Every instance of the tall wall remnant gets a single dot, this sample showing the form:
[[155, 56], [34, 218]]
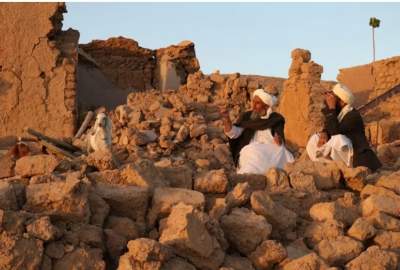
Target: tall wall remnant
[[302, 99], [122, 60], [135, 68], [174, 64], [369, 81], [37, 70]]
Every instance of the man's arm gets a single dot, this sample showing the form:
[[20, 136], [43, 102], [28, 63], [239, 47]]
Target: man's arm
[[352, 122], [230, 130], [234, 132], [331, 122]]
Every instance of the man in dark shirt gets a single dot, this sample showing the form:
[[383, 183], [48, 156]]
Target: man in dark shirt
[[342, 118], [257, 138]]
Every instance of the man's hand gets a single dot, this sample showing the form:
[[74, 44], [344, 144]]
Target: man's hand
[[330, 100], [323, 139], [277, 139]]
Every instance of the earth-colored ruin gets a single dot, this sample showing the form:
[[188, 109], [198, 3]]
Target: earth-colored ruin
[[173, 200]]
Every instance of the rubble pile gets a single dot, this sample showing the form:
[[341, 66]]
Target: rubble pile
[[162, 192], [135, 68], [174, 201]]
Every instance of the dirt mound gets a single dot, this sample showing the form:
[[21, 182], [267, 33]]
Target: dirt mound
[[175, 201]]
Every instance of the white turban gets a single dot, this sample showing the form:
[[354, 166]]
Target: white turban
[[268, 99], [343, 93]]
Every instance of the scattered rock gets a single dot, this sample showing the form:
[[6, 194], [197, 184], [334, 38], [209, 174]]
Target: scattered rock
[[178, 177], [144, 174], [326, 175], [55, 250], [256, 181], [374, 258], [362, 230], [115, 244], [340, 250], [185, 231], [165, 198], [178, 264], [43, 229], [214, 181], [20, 253], [8, 199], [333, 211], [99, 209], [125, 201], [7, 164], [81, 258], [391, 182], [245, 230], [63, 200], [123, 226], [303, 182], [268, 254], [280, 217], [144, 254], [384, 221], [310, 261], [239, 196], [318, 231], [386, 204], [277, 180], [388, 240], [35, 165], [237, 263]]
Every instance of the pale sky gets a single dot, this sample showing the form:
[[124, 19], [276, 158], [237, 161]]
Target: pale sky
[[250, 38]]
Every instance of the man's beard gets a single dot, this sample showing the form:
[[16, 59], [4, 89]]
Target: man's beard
[[255, 115]]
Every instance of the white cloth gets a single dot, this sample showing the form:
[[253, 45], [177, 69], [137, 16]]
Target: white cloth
[[268, 99], [343, 93], [338, 148], [262, 153], [101, 136], [344, 111]]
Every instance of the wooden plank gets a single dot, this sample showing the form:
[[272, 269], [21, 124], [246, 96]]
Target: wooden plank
[[85, 124], [376, 101], [57, 151], [58, 143]]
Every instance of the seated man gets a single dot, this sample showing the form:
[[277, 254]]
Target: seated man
[[344, 136], [257, 139]]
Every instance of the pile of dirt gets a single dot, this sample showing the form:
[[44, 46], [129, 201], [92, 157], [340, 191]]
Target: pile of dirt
[[174, 200]]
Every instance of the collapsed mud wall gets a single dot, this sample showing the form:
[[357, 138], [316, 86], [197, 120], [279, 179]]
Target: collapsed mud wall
[[369, 81], [302, 99], [134, 68], [37, 69], [122, 60]]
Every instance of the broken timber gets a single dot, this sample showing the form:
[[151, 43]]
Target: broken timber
[[57, 147], [85, 124]]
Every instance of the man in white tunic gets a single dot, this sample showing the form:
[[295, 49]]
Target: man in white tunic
[[257, 140]]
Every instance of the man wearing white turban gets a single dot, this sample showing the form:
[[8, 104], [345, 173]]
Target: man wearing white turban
[[343, 137], [257, 140]]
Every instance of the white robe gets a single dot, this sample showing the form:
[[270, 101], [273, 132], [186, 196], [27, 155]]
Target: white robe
[[261, 154], [338, 148], [100, 139]]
